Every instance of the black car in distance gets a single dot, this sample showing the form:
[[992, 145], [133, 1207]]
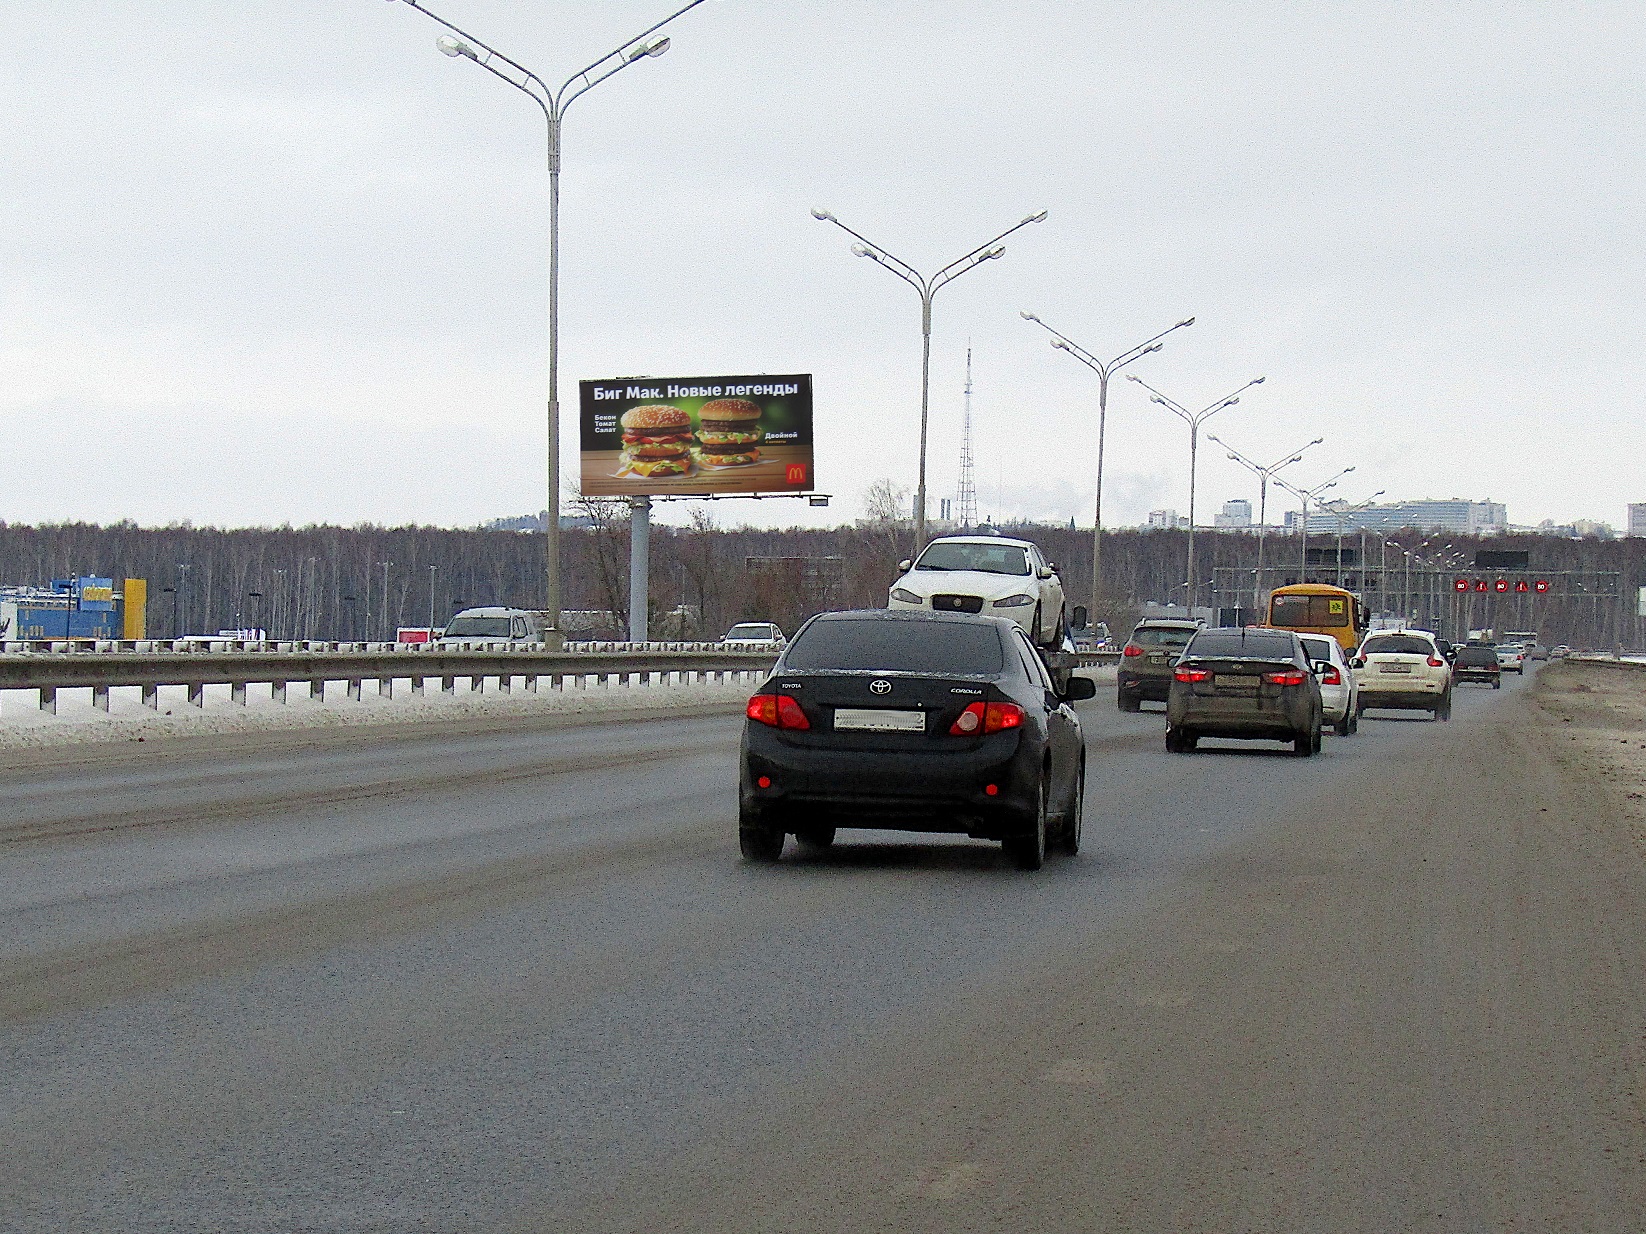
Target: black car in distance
[[1480, 664], [912, 721], [1244, 682]]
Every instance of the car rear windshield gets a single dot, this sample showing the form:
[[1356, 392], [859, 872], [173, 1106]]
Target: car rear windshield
[[477, 627], [1241, 644], [875, 645], [754, 631], [988, 558], [1396, 644], [1318, 648], [1309, 612], [1145, 637], [1476, 657]]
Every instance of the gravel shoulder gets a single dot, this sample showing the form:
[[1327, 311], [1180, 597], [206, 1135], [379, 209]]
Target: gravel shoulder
[[1415, 1004]]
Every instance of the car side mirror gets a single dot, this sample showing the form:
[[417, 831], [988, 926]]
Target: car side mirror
[[1078, 689], [1321, 667], [1052, 566], [1044, 572], [904, 566], [1358, 662]]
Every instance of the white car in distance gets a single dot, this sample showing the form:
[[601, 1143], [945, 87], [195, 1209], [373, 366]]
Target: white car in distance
[[992, 575], [754, 634], [1339, 695]]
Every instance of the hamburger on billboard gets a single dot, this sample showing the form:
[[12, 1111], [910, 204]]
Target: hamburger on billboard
[[689, 435]]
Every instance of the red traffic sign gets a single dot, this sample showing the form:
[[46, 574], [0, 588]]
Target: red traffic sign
[[1540, 585], [1502, 584], [1460, 584], [1523, 585], [1482, 585]]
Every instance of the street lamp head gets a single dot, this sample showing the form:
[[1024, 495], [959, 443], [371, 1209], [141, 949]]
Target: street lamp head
[[1060, 344], [1134, 377], [823, 216], [1147, 350], [1188, 321], [1036, 218], [1028, 317], [998, 251], [863, 250], [654, 48], [454, 47]]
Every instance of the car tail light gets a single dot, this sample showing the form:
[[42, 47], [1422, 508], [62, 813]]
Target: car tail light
[[1331, 677], [1434, 662], [986, 718], [1131, 649], [1192, 675], [778, 710], [1293, 678]]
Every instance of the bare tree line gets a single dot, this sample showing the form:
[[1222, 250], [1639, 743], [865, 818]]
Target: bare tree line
[[366, 581]]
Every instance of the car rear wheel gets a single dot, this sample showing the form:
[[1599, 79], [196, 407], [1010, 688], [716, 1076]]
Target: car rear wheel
[[815, 837], [1497, 683], [1177, 740], [1028, 852], [1345, 726], [1303, 744], [1074, 817], [1129, 702], [758, 840], [1444, 710]]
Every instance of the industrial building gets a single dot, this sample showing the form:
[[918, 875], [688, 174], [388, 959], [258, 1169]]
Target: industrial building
[[83, 607], [1471, 518]]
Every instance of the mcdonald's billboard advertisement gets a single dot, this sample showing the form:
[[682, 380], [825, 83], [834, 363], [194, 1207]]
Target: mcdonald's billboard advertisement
[[696, 436]]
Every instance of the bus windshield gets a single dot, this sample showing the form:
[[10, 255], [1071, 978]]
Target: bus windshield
[[1304, 612]]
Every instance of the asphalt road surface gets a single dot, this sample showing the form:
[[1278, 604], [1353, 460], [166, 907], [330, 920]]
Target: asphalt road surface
[[520, 981]]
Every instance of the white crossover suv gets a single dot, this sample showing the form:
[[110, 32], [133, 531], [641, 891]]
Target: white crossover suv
[[1404, 669], [991, 575]]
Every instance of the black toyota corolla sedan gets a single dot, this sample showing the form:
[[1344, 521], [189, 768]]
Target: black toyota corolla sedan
[[914, 721]]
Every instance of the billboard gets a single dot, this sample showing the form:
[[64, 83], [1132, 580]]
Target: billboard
[[696, 435]]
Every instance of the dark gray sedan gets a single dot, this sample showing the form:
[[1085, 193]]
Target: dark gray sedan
[[1248, 683]]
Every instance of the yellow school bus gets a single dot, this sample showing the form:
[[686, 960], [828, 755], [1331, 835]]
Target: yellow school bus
[[1318, 608]]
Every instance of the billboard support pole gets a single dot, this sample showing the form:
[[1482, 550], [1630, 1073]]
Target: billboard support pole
[[640, 552]]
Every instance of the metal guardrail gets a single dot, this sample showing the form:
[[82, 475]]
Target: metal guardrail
[[49, 673]]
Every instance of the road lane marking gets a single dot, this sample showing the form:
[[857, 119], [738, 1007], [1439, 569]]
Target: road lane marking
[[949, 1180], [1085, 1071]]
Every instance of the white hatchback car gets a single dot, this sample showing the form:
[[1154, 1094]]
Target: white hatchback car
[[1404, 669], [1339, 693], [986, 574], [1511, 658]]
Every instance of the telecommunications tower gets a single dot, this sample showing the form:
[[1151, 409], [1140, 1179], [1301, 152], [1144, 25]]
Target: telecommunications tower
[[967, 512]]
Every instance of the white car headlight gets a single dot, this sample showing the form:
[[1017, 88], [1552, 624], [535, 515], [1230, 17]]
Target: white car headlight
[[1017, 601], [906, 597]]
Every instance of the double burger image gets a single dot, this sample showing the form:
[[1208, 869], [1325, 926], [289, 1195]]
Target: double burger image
[[729, 433], [657, 441]]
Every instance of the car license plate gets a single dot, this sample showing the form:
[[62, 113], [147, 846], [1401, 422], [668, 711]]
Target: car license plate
[[880, 719], [1396, 668], [1238, 686], [1161, 659]]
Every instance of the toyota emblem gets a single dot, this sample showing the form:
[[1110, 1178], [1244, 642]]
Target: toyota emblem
[[880, 686]]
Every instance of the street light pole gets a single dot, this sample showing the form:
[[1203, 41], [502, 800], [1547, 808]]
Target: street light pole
[[1263, 475], [1103, 371], [927, 287], [553, 104], [1194, 419], [1306, 496], [1339, 508]]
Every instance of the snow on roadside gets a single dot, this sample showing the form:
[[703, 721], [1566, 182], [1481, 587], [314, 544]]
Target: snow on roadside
[[24, 726]]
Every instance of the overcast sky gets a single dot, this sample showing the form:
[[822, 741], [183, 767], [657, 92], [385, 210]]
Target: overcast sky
[[284, 261]]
